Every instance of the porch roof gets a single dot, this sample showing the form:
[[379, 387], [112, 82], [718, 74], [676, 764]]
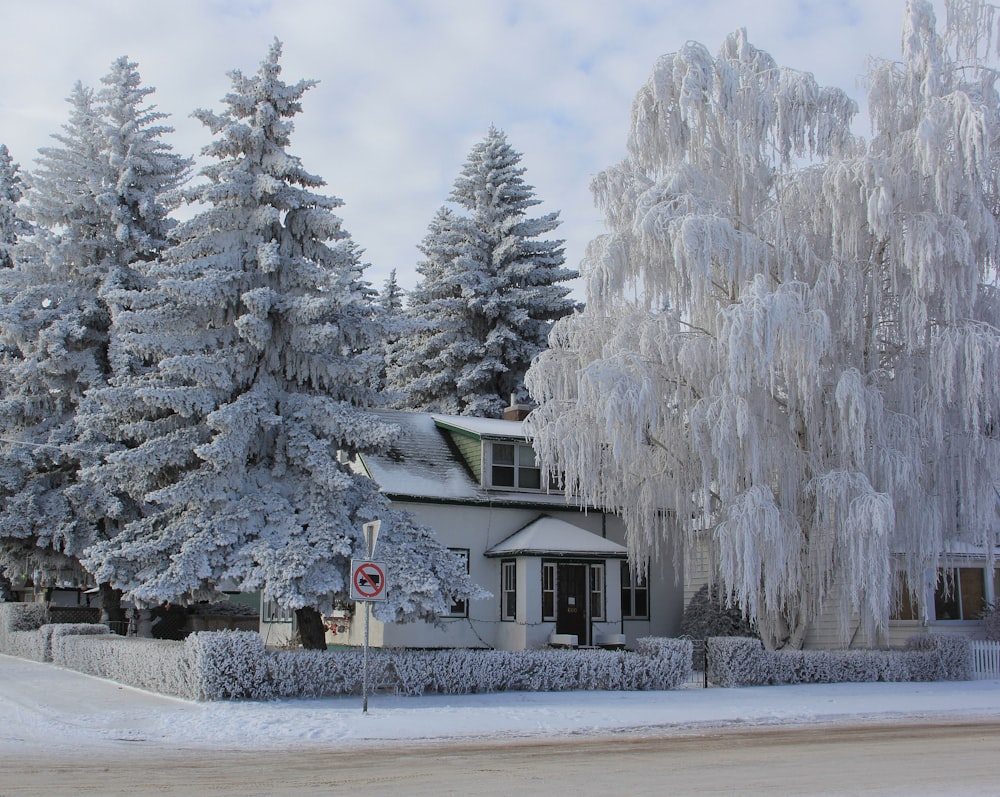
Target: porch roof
[[549, 536]]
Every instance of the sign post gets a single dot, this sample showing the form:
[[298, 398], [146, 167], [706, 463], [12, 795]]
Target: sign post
[[367, 585]]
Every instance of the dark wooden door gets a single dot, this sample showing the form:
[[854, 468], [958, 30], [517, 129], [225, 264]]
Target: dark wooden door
[[571, 601]]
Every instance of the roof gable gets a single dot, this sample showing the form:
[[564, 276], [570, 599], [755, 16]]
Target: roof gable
[[549, 536]]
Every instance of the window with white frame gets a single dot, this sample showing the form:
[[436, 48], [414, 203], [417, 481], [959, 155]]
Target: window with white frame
[[460, 608], [273, 613], [508, 590], [597, 592], [513, 465], [548, 590], [635, 594]]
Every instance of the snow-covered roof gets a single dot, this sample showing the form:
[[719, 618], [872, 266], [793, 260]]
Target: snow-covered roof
[[482, 427], [421, 463], [549, 536], [424, 463]]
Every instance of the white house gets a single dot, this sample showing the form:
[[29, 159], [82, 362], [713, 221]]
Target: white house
[[951, 598], [552, 565]]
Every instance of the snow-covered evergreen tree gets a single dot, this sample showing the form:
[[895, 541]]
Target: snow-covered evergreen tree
[[395, 326], [489, 293], [252, 358], [390, 299], [98, 203], [11, 224], [824, 394]]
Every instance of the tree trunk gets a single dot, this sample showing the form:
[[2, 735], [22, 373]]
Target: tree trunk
[[114, 614], [312, 632]]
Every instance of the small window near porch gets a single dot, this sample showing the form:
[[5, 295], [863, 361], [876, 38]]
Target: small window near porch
[[597, 592], [460, 608], [635, 594], [508, 590], [548, 590]]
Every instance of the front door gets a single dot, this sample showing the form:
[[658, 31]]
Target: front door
[[571, 602]]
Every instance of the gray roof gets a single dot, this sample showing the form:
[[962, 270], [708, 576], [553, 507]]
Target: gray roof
[[549, 536], [424, 464]]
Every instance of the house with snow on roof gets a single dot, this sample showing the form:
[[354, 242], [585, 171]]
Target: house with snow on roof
[[558, 571]]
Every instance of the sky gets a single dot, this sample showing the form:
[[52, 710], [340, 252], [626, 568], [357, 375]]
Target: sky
[[47, 708], [408, 87]]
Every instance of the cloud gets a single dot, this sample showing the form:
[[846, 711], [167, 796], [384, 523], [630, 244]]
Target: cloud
[[407, 87]]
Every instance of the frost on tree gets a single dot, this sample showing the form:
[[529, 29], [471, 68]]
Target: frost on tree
[[11, 191], [790, 345], [98, 205], [489, 292], [251, 360]]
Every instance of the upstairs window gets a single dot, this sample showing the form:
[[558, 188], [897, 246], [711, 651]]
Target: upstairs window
[[514, 466]]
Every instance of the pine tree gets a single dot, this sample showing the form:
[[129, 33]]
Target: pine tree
[[11, 224], [424, 366], [391, 297], [98, 205], [253, 354], [822, 401], [489, 294]]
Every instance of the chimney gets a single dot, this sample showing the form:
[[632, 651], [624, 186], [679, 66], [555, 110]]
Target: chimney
[[516, 412]]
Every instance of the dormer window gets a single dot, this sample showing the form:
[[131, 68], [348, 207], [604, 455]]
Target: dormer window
[[513, 466]]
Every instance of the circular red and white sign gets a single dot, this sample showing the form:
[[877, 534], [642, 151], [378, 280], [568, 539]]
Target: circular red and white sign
[[369, 580]]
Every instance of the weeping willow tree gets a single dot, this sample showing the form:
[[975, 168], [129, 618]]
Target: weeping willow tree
[[790, 345]]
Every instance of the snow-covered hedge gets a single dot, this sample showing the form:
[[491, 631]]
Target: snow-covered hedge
[[19, 630], [239, 667], [159, 665], [52, 634], [223, 665], [741, 661], [227, 665]]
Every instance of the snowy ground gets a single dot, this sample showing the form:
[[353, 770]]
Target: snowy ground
[[46, 707]]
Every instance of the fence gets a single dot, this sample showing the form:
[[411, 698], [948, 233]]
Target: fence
[[985, 660]]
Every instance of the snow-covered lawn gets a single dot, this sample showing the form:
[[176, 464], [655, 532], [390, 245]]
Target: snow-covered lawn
[[47, 707]]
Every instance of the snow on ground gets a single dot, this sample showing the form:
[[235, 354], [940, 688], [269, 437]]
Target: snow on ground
[[44, 705]]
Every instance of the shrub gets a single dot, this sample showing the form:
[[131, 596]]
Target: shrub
[[991, 621], [227, 664], [709, 614], [738, 661]]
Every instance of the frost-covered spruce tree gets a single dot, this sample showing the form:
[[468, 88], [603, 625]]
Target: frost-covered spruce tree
[[390, 307], [11, 191], [98, 204], [821, 401], [252, 362], [424, 365], [489, 294]]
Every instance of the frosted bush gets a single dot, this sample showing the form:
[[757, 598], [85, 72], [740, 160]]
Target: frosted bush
[[952, 659], [53, 632], [314, 673], [19, 630], [227, 664], [738, 661], [22, 616], [159, 665], [991, 621]]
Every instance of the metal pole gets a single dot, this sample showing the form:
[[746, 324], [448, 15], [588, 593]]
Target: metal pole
[[364, 674]]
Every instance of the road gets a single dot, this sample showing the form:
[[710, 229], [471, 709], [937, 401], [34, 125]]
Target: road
[[911, 758]]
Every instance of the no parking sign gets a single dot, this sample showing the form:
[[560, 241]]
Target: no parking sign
[[368, 582]]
